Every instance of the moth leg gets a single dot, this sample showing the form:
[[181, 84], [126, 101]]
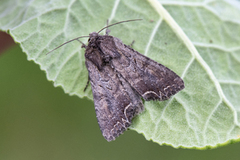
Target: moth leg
[[83, 45], [107, 30], [131, 44], [86, 85]]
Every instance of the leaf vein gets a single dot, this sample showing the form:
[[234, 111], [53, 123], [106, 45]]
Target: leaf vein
[[215, 46], [116, 3], [152, 35], [176, 28]]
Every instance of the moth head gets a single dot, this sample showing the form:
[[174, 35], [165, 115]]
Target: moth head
[[92, 37], [93, 34]]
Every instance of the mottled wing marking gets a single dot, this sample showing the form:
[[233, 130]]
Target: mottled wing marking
[[150, 79], [119, 77], [116, 103]]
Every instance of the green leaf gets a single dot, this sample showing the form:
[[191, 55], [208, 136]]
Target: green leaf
[[199, 40]]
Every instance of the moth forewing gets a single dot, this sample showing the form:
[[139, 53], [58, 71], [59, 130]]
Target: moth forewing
[[119, 77]]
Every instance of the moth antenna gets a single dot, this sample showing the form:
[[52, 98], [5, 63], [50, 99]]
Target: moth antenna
[[68, 42], [118, 23]]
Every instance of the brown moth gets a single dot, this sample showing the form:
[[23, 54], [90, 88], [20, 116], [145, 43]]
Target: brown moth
[[120, 77]]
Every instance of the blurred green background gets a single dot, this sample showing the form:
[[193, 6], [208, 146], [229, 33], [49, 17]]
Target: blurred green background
[[41, 122]]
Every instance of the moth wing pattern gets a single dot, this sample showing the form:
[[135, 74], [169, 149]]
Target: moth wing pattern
[[119, 77], [153, 81], [116, 103]]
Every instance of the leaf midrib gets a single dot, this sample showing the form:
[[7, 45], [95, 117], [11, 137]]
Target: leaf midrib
[[179, 32]]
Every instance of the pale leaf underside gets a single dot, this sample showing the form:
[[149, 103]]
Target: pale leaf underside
[[199, 40]]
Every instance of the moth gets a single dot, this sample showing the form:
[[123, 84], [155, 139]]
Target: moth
[[120, 77]]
